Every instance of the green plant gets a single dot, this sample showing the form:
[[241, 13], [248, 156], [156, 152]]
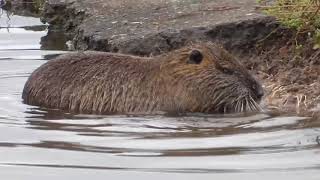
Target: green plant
[[302, 15], [317, 39], [38, 4]]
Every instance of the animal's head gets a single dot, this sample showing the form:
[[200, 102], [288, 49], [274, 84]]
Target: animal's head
[[213, 78]]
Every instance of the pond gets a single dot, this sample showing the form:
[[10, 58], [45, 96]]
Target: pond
[[35, 143]]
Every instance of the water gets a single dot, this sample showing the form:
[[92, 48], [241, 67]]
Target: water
[[37, 144]]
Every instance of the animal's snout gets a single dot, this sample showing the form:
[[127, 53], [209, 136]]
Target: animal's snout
[[259, 92]]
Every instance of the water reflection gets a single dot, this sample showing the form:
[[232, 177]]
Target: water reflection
[[54, 40], [2, 3]]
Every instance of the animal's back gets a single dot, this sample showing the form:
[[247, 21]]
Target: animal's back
[[84, 82]]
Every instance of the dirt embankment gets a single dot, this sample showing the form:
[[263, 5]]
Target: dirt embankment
[[146, 27], [150, 27]]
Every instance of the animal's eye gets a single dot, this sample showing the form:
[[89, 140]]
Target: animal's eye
[[195, 57]]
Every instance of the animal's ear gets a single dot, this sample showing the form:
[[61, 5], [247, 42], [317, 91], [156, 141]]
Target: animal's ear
[[195, 57]]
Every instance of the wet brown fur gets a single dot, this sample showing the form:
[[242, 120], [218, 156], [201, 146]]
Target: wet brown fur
[[102, 83]]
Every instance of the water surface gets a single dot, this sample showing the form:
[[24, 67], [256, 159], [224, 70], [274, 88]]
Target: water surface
[[37, 144]]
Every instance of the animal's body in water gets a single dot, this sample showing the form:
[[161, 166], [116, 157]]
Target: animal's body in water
[[196, 78]]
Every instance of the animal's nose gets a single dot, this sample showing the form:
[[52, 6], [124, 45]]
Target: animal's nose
[[260, 92]]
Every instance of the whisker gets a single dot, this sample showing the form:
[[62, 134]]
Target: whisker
[[253, 106], [237, 106], [257, 106], [247, 105], [242, 106]]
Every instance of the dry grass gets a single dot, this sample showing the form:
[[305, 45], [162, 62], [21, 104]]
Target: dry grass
[[302, 15]]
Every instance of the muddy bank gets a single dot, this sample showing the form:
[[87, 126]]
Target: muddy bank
[[151, 27]]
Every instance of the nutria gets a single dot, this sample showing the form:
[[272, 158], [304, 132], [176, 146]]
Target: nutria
[[197, 78]]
